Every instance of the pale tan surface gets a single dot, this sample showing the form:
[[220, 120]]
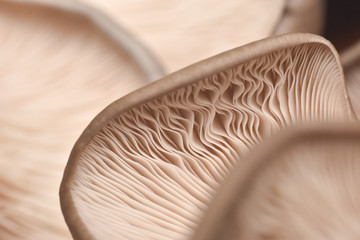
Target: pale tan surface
[[311, 191], [183, 32], [302, 16], [299, 184], [351, 61], [56, 73], [149, 171]]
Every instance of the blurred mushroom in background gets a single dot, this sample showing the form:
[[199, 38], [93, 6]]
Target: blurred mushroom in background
[[183, 32], [350, 58], [300, 184], [57, 70]]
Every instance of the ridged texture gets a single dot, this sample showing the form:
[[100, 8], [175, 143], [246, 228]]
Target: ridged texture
[[56, 72], [308, 191], [150, 173]]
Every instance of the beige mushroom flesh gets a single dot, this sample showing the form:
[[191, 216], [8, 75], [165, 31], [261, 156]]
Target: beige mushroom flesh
[[301, 184], [351, 63], [57, 71], [183, 32]]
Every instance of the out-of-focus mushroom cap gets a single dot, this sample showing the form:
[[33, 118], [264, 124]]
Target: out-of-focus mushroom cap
[[183, 32], [57, 71], [301, 183], [302, 16], [351, 62]]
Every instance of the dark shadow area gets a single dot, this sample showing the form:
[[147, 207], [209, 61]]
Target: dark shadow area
[[342, 22]]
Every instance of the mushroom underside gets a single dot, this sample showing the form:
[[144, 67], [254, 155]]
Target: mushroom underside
[[150, 172]]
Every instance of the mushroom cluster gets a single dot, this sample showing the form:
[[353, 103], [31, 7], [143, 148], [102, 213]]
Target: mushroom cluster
[[159, 162]]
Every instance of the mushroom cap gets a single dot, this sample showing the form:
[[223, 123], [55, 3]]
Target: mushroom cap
[[302, 16], [183, 32], [146, 167], [299, 184], [57, 71]]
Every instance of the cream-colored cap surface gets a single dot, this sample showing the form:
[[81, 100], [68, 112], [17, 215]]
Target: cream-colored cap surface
[[57, 70]]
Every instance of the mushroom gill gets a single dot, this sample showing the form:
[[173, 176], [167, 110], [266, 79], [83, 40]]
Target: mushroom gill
[[351, 62], [147, 165], [57, 70], [301, 184]]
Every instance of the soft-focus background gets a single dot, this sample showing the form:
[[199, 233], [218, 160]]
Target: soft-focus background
[[342, 26]]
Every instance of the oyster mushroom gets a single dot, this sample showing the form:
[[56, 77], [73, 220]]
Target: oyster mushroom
[[302, 16], [134, 49], [301, 184], [57, 70], [146, 167], [351, 62], [183, 32]]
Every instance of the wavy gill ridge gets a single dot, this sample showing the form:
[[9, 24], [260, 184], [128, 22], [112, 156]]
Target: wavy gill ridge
[[151, 171]]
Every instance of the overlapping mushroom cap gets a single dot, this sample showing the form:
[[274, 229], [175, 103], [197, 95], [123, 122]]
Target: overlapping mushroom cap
[[300, 184], [57, 70], [351, 62], [147, 165], [184, 32]]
